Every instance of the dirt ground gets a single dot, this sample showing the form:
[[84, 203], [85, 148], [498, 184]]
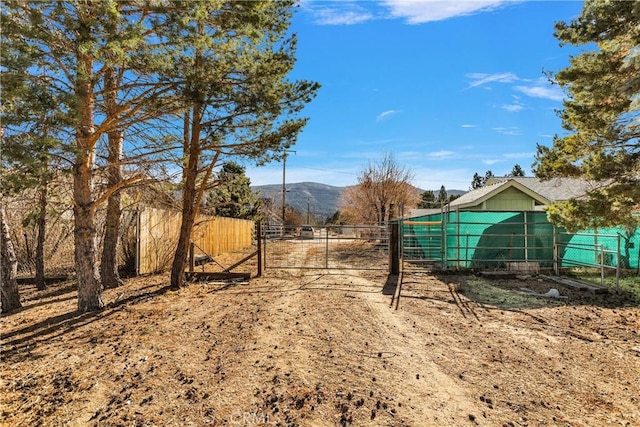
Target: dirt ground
[[314, 348]]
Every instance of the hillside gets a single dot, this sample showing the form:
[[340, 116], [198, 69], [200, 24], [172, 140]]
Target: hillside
[[321, 200]]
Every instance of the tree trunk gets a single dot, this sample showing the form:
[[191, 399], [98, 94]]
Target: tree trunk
[[189, 213], [189, 197], [10, 298], [42, 226], [109, 261], [89, 286]]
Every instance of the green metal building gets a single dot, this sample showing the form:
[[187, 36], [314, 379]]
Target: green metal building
[[503, 225]]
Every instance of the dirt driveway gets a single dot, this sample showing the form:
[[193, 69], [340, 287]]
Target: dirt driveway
[[311, 348]]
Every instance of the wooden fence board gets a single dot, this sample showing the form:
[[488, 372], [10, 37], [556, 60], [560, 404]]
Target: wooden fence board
[[159, 230]]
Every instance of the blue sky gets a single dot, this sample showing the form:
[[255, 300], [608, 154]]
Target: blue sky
[[449, 88]]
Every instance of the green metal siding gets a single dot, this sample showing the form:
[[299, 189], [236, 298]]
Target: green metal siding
[[511, 199], [490, 239]]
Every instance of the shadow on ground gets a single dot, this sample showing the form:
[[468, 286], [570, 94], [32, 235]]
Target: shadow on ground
[[15, 341]]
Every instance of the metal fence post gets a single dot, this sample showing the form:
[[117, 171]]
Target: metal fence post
[[555, 249], [259, 247], [444, 218], [526, 238], [618, 263], [394, 253], [458, 241], [601, 265], [467, 264], [326, 250]]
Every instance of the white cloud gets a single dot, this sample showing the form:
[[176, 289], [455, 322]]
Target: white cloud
[[512, 131], [419, 12], [467, 126], [515, 106], [539, 90], [442, 154], [336, 13], [341, 17], [479, 79], [408, 156], [386, 114], [512, 108], [490, 162]]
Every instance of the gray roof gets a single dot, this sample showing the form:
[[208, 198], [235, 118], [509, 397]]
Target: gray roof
[[555, 189]]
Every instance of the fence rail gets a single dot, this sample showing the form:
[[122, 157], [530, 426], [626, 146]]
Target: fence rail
[[513, 240], [332, 247], [590, 255], [158, 232]]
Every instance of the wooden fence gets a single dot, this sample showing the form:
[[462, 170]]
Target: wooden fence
[[158, 232]]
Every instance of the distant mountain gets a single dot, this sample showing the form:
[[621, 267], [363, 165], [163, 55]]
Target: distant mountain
[[321, 200]]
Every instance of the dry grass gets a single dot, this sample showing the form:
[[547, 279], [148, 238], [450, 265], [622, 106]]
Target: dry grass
[[316, 349]]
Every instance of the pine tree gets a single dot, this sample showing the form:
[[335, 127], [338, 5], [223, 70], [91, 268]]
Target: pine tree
[[477, 181], [487, 176], [232, 196], [601, 116], [480, 181], [34, 122], [232, 60], [9, 295], [442, 196], [427, 200], [517, 171], [100, 62]]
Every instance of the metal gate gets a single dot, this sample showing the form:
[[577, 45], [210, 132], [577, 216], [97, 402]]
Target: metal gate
[[422, 244], [339, 247]]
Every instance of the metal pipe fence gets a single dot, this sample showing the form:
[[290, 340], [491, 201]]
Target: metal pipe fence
[[512, 241], [339, 247], [590, 255]]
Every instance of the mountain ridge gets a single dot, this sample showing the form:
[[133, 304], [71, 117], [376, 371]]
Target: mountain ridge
[[318, 200]]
